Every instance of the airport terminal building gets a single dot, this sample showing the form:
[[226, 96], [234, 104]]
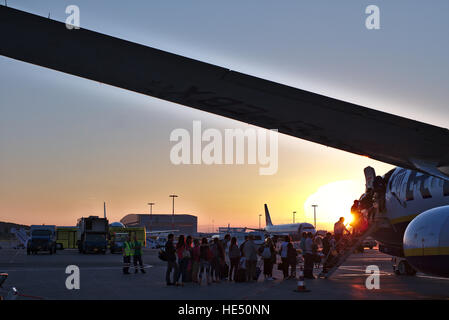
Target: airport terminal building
[[185, 223]]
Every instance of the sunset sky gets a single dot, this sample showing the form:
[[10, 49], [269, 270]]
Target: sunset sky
[[67, 144]]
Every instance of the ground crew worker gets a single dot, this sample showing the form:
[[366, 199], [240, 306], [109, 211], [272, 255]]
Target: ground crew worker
[[127, 253], [137, 254]]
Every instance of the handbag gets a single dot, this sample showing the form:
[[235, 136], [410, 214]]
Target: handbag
[[186, 254]]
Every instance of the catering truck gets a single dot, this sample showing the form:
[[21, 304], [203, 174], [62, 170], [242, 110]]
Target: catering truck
[[66, 237], [42, 238], [92, 234]]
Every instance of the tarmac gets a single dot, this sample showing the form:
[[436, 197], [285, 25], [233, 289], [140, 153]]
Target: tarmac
[[43, 276]]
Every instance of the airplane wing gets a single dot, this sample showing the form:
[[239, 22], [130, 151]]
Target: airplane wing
[[306, 115], [255, 229], [160, 232]]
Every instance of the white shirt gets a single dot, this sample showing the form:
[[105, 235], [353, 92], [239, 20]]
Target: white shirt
[[227, 245]]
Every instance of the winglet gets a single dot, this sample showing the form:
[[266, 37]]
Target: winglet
[[267, 216]]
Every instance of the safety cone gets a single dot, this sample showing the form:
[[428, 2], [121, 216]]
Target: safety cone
[[301, 287]]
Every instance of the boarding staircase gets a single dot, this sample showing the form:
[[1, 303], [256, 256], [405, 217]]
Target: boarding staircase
[[347, 251], [21, 235]]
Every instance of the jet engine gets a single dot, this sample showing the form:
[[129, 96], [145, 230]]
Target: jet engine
[[426, 242]]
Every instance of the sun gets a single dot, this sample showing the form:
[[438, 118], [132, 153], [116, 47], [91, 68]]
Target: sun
[[334, 200]]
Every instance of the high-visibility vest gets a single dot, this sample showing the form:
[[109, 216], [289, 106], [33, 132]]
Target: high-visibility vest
[[127, 250]]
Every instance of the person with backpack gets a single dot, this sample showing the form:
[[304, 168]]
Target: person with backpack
[[227, 263], [268, 254], [284, 258], [205, 258], [195, 260], [217, 261], [317, 241], [291, 260], [189, 248], [328, 248], [242, 246], [170, 255], [234, 258], [302, 242], [183, 258], [250, 251], [308, 257], [327, 244]]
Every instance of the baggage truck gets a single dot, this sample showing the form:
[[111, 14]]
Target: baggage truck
[[92, 234], [42, 238]]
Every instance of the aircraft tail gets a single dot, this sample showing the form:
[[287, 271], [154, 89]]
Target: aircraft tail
[[267, 216]]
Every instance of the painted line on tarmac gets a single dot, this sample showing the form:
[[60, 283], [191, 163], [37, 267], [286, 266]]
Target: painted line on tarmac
[[145, 266], [360, 274], [351, 275], [360, 269], [431, 277], [385, 273]]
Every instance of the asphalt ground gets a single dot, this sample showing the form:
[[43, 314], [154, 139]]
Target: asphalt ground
[[101, 277]]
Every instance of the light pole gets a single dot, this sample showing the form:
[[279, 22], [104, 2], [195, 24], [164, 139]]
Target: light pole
[[151, 213], [314, 214], [294, 212], [259, 220], [173, 196]]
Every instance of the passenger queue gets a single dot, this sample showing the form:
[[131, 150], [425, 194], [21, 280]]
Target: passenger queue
[[204, 261], [207, 262]]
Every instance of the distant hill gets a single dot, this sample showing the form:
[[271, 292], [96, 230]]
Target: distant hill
[[5, 228]]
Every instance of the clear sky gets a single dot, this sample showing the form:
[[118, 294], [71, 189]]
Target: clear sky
[[68, 144]]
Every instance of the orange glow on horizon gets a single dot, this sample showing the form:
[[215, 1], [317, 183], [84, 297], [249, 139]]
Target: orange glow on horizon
[[334, 200]]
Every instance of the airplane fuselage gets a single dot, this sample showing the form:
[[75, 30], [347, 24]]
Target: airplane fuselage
[[283, 228], [408, 194], [290, 229]]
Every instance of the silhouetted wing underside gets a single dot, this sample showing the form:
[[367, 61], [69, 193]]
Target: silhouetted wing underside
[[338, 124]]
